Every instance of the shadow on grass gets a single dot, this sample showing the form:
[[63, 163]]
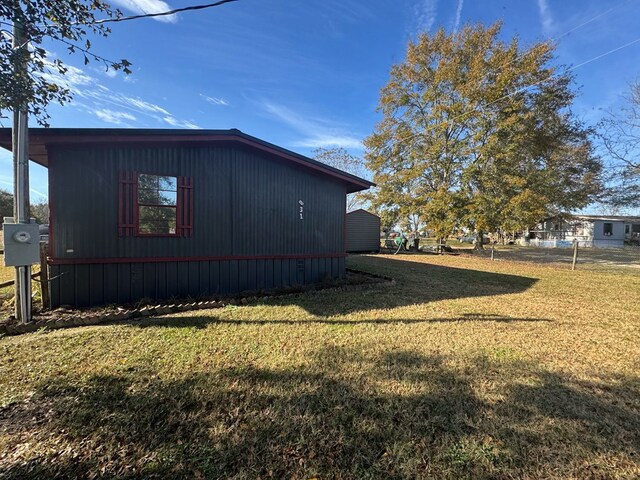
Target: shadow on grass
[[201, 321], [416, 283], [344, 414]]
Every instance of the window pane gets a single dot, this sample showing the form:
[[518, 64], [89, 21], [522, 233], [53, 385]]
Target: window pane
[[160, 220], [166, 198], [167, 183], [157, 197], [149, 182], [157, 190], [608, 228], [635, 228]]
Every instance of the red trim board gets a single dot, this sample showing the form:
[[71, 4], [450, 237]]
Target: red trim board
[[83, 261]]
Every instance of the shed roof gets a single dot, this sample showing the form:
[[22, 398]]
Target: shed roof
[[41, 138], [360, 211]]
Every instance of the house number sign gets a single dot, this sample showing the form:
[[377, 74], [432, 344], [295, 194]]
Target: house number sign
[[301, 203]]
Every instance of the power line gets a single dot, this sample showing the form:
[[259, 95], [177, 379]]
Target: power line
[[574, 67], [160, 14], [592, 19], [577, 27]]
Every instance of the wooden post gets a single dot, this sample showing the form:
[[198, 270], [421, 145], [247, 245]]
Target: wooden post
[[575, 254], [44, 277]]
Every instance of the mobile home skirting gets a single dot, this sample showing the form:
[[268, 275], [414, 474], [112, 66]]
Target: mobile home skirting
[[92, 284]]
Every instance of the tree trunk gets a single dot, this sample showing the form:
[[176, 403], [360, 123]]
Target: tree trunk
[[479, 244]]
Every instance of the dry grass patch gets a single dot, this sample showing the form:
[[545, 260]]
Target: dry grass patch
[[467, 368]]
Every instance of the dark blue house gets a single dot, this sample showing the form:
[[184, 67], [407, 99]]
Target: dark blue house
[[157, 214]]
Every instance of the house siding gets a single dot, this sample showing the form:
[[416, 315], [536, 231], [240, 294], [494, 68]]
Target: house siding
[[247, 231], [84, 285]]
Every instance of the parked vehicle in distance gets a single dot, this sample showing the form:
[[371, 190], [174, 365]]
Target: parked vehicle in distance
[[472, 239]]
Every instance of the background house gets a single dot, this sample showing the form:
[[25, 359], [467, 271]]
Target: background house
[[173, 213], [363, 231], [588, 230]]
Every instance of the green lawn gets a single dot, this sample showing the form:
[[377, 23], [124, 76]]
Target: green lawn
[[466, 368]]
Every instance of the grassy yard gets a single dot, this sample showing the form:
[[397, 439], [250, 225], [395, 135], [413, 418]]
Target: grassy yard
[[466, 368]]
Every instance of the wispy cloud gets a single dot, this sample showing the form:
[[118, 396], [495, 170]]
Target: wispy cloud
[[174, 122], [144, 106], [323, 141], [425, 12], [456, 23], [36, 194], [108, 105], [147, 6], [73, 79], [111, 116], [545, 16], [215, 100], [316, 132]]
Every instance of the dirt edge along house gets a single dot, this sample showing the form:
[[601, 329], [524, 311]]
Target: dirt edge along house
[[138, 213]]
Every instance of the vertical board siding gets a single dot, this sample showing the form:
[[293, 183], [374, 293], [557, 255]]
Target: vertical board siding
[[97, 284], [245, 204]]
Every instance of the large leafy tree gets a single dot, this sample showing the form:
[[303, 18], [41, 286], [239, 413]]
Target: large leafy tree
[[26, 69], [478, 132]]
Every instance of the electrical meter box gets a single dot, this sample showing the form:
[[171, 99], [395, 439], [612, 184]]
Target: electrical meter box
[[21, 243]]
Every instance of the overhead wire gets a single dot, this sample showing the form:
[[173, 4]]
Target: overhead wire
[[160, 14]]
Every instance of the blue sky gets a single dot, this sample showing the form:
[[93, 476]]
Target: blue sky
[[306, 74]]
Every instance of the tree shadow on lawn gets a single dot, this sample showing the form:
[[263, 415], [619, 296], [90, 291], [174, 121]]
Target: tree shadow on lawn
[[416, 283], [344, 414], [201, 321]]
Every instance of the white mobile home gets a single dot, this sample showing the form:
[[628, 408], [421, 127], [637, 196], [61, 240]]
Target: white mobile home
[[587, 230]]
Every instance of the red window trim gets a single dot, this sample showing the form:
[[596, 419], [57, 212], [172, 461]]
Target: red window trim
[[129, 207], [127, 191]]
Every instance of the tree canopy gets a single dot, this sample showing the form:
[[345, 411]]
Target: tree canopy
[[479, 133], [29, 74]]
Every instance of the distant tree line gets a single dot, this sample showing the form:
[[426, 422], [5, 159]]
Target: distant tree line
[[39, 211]]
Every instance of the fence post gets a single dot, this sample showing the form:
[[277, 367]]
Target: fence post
[[44, 277], [575, 254]]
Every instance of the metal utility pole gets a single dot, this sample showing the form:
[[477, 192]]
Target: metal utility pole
[[20, 148]]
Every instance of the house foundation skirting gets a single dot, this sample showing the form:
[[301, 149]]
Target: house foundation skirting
[[93, 284]]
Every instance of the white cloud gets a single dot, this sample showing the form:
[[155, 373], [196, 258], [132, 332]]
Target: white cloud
[[111, 116], [180, 123], [545, 16], [456, 23], [318, 132], [425, 12], [141, 7], [215, 100], [144, 106], [108, 105], [73, 79], [321, 141]]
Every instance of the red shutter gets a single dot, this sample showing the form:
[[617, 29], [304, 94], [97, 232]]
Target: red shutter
[[127, 203], [185, 207]]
